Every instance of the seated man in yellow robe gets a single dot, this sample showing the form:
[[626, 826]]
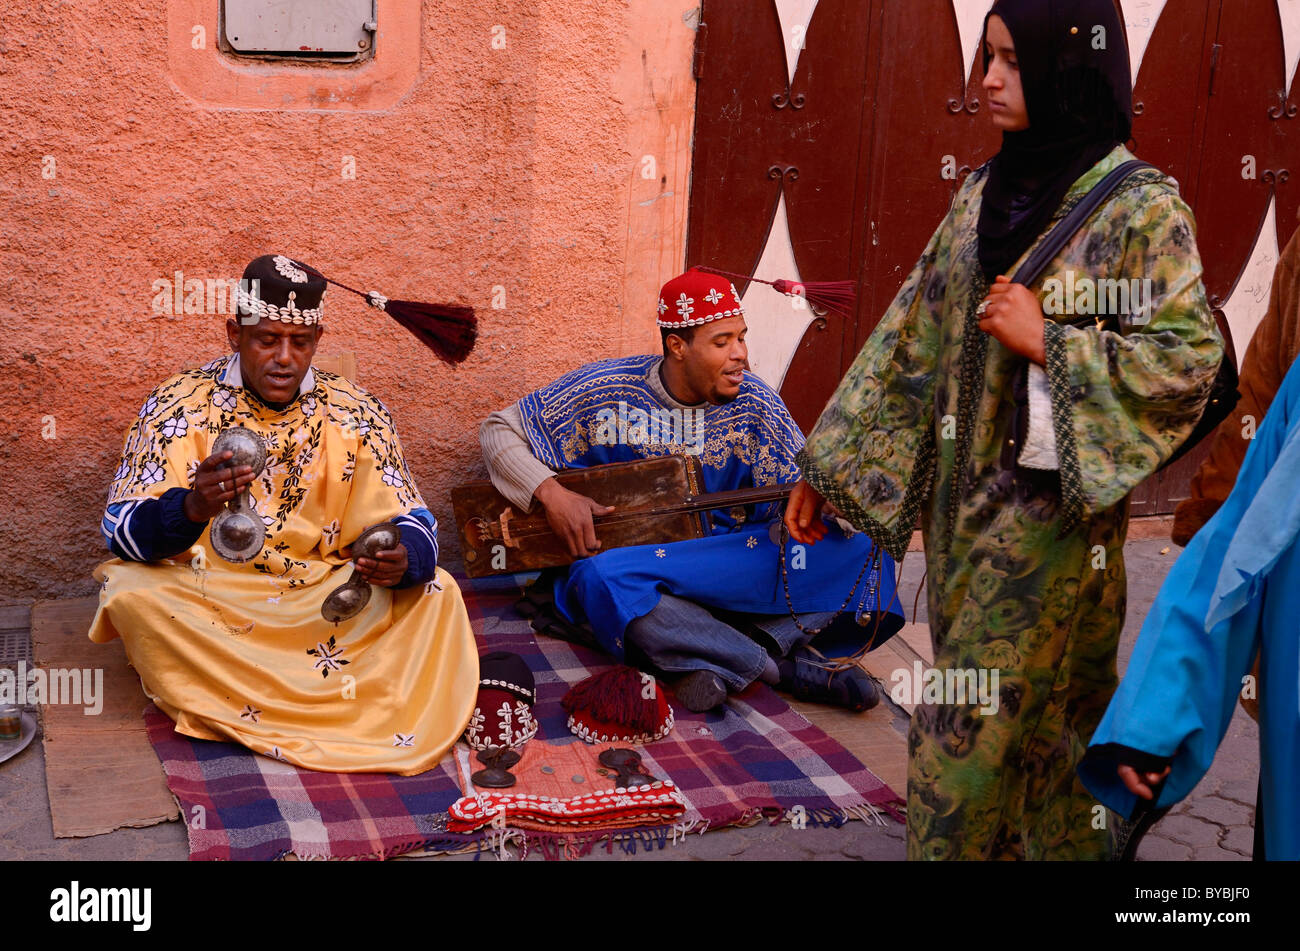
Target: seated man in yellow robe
[[241, 651]]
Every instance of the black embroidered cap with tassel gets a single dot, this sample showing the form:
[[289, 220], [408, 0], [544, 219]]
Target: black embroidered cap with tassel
[[835, 296], [449, 330], [277, 288]]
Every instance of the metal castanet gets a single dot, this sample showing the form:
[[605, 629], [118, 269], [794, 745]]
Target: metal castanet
[[237, 532], [497, 761], [349, 598], [656, 501]]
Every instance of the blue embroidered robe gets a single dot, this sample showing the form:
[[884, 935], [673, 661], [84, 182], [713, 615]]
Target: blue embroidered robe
[[607, 412]]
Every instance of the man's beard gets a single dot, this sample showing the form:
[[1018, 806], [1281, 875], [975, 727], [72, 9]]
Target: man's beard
[[252, 391], [718, 398]]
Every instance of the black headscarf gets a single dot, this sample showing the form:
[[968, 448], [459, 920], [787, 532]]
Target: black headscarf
[[1080, 104]]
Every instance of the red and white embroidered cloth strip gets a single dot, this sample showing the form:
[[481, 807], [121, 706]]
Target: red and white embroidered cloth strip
[[641, 805]]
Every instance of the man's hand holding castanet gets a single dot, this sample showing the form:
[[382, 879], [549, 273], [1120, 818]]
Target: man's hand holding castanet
[[570, 516], [385, 569], [215, 484]]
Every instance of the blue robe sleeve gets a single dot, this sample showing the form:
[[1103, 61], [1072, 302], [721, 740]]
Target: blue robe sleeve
[[150, 529], [420, 539], [1197, 643]]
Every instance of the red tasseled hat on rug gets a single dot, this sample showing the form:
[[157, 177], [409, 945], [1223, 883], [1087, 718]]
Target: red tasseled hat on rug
[[619, 705]]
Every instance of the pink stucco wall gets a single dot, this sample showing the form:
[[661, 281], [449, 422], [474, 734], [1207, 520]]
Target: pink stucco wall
[[523, 167]]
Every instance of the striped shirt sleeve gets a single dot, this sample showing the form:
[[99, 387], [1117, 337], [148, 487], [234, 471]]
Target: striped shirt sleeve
[[420, 539], [150, 529]]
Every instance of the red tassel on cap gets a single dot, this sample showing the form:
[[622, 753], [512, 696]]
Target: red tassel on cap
[[836, 296], [449, 330], [614, 696]]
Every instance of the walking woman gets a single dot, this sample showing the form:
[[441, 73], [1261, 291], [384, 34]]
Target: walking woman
[[1015, 430]]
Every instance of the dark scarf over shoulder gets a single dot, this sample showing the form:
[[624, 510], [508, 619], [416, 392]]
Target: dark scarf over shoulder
[[1074, 70]]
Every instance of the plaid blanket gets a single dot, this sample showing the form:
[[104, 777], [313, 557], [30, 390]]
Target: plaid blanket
[[756, 759]]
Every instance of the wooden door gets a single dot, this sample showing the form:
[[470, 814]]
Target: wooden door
[[831, 135]]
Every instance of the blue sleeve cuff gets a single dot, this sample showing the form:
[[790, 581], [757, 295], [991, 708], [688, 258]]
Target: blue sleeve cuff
[[151, 529], [176, 524], [420, 539]]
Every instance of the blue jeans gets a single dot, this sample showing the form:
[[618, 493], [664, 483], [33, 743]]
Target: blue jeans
[[680, 636]]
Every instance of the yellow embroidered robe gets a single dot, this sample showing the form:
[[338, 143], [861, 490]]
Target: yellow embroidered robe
[[241, 652]]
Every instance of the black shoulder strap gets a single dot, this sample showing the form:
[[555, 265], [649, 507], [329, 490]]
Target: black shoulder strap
[[1058, 237]]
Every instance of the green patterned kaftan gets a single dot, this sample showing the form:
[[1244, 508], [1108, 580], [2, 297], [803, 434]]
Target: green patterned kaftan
[[1025, 567]]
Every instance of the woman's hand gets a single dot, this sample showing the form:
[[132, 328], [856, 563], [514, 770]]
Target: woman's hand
[[1141, 784], [1013, 315], [803, 514]]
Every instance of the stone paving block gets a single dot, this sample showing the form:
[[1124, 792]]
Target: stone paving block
[[1189, 830], [721, 844], [775, 850], [1225, 812], [1155, 849], [1240, 839], [874, 846], [1212, 853], [1241, 788], [894, 830]]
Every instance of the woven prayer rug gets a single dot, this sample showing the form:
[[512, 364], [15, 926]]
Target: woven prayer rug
[[756, 758]]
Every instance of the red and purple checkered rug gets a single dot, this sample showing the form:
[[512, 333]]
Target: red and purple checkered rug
[[756, 759]]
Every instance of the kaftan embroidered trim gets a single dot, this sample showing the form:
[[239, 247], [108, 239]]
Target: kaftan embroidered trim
[[894, 541], [1058, 375], [974, 359]]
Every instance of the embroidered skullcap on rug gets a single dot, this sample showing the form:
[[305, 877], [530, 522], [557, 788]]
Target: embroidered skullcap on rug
[[275, 287], [619, 705], [503, 712]]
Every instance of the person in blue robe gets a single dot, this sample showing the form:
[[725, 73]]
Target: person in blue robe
[[715, 613], [1234, 589]]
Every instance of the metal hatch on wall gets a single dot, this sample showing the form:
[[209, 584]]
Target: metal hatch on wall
[[330, 29]]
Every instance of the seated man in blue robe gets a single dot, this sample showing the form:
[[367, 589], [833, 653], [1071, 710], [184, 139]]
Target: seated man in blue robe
[[715, 613], [1234, 589]]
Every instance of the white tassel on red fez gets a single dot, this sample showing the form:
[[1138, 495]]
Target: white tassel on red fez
[[449, 330], [836, 296]]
